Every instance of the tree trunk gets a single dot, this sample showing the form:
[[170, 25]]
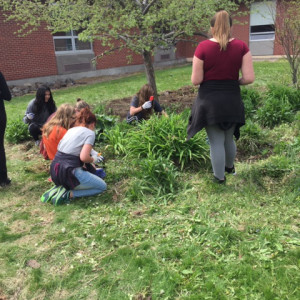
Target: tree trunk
[[150, 72]]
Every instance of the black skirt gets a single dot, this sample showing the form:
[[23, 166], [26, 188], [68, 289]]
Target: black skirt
[[218, 102]]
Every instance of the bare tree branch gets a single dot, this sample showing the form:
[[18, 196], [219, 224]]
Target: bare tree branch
[[148, 6]]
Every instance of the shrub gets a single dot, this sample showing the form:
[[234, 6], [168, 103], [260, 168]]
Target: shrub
[[104, 122], [252, 138], [275, 167], [16, 132], [276, 110], [251, 99], [156, 176], [166, 137], [116, 138], [292, 95]]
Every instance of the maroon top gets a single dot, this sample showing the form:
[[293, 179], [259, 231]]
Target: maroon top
[[221, 65]]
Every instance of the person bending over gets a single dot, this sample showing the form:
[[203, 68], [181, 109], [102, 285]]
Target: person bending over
[[67, 172], [141, 107], [54, 130], [38, 111]]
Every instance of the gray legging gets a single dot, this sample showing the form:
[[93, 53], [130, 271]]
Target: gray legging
[[222, 148]]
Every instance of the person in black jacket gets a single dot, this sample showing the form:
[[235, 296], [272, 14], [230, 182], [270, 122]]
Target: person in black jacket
[[38, 111], [4, 95], [219, 107]]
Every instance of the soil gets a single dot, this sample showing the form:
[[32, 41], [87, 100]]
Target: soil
[[176, 100]]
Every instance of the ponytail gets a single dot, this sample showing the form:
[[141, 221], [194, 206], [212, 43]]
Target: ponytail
[[221, 24]]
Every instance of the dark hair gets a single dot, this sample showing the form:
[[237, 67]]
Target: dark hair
[[221, 24], [85, 117], [144, 95], [39, 102]]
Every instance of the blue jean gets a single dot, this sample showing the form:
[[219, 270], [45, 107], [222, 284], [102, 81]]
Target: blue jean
[[90, 184]]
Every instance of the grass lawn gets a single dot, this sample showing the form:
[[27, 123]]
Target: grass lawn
[[238, 241]]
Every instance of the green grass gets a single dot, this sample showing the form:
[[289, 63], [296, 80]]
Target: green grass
[[238, 241]]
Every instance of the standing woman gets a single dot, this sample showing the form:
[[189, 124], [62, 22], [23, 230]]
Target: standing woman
[[218, 107], [67, 172], [38, 111], [4, 95]]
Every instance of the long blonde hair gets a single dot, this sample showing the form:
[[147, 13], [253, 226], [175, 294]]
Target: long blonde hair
[[64, 117], [220, 27]]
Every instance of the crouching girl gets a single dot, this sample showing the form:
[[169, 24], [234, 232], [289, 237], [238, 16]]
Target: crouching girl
[[74, 151]]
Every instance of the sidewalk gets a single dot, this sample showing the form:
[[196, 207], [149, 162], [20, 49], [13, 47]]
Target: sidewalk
[[267, 57], [256, 58]]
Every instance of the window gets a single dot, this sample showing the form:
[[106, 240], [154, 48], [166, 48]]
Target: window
[[262, 32], [68, 42], [262, 21]]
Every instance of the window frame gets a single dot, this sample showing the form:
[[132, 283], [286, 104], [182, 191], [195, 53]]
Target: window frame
[[73, 38]]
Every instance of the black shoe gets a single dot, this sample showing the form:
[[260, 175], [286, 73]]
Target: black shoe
[[220, 181], [230, 170], [5, 182]]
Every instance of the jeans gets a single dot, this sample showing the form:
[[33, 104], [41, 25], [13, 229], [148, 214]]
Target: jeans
[[90, 184]]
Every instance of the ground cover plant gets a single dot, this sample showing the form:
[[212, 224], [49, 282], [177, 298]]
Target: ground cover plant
[[163, 230]]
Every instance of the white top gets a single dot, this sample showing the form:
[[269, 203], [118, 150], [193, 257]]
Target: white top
[[74, 139]]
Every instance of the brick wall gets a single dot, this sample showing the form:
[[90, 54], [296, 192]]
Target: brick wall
[[115, 59], [240, 30], [240, 27], [278, 50], [25, 57], [34, 56]]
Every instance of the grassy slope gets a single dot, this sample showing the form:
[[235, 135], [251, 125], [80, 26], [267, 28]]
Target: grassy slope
[[239, 241]]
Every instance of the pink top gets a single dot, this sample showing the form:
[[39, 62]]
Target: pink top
[[221, 65]]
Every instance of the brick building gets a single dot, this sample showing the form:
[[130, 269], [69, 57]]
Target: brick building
[[41, 56]]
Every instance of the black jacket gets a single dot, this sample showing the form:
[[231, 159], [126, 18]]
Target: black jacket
[[218, 102], [62, 170], [4, 92]]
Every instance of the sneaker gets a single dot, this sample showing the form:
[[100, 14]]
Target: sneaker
[[62, 196], [37, 143], [5, 182], [230, 170], [220, 181], [48, 195]]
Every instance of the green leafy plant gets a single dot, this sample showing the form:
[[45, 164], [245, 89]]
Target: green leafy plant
[[104, 122], [292, 95], [253, 138], [279, 106], [167, 137], [16, 132], [274, 167], [251, 99], [156, 176], [116, 138]]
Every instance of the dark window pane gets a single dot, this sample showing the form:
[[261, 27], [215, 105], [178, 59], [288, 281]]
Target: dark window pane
[[82, 45], [262, 28], [63, 44], [62, 33]]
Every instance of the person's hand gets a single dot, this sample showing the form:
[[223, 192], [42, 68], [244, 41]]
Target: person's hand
[[94, 153], [30, 116], [147, 105], [98, 159]]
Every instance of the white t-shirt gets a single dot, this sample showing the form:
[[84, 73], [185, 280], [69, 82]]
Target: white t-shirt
[[75, 139]]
